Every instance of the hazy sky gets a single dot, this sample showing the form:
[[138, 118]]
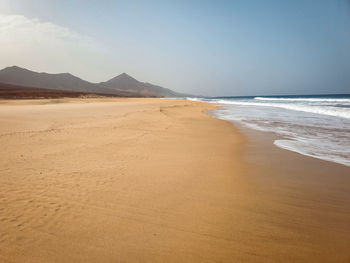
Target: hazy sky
[[203, 47]]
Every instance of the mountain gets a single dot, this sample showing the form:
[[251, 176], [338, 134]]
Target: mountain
[[63, 81], [122, 85], [124, 82]]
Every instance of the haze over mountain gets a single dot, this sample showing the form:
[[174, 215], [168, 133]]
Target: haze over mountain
[[122, 85]]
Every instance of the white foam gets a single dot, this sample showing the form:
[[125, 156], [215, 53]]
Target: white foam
[[193, 99], [324, 110], [315, 129], [295, 146], [303, 99]]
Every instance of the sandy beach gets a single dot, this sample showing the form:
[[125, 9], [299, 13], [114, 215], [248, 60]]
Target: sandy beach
[[156, 180]]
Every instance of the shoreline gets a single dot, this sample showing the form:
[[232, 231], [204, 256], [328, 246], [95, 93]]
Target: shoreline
[[156, 180], [272, 137], [315, 127]]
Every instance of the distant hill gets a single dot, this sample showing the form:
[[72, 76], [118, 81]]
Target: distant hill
[[122, 85]]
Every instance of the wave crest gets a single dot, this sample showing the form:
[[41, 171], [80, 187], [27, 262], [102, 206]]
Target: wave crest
[[302, 99], [324, 110]]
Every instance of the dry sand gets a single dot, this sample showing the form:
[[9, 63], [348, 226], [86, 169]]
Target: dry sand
[[150, 180]]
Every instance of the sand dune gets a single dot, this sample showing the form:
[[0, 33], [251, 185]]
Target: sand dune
[[150, 180]]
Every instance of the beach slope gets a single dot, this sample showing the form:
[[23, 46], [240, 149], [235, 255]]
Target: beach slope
[[152, 180]]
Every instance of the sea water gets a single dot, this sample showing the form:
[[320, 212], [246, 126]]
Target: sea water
[[316, 126]]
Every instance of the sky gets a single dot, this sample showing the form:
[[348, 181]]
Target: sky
[[210, 48]]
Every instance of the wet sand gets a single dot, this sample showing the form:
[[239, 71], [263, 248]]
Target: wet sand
[[152, 180]]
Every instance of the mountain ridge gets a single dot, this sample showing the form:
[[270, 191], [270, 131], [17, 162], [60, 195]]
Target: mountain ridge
[[120, 85]]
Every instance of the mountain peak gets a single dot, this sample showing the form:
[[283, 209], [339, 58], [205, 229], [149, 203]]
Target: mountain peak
[[14, 68], [124, 78]]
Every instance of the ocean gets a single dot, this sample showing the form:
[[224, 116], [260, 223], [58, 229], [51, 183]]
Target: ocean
[[313, 125]]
